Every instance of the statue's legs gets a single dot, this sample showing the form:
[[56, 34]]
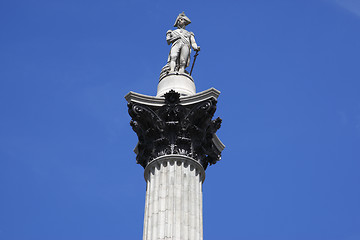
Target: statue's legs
[[184, 55], [174, 54]]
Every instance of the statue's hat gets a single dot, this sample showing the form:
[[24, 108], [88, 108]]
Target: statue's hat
[[183, 16]]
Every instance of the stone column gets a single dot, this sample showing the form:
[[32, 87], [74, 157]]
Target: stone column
[[177, 142], [173, 208]]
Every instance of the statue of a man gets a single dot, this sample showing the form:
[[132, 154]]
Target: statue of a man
[[182, 41]]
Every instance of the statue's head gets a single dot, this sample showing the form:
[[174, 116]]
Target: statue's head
[[182, 17]]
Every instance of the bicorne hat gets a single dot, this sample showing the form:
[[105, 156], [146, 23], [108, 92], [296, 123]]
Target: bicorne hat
[[183, 16]]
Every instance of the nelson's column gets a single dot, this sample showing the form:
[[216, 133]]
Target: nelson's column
[[177, 142]]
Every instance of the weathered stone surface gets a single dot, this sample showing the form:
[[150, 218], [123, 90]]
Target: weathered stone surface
[[173, 206], [181, 83], [173, 128], [133, 97], [181, 42], [177, 141]]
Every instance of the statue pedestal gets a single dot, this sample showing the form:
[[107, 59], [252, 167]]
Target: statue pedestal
[[179, 82]]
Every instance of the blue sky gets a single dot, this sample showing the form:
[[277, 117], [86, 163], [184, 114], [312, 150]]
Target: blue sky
[[289, 75]]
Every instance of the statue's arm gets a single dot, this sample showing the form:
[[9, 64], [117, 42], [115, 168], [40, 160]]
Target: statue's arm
[[193, 43], [170, 38]]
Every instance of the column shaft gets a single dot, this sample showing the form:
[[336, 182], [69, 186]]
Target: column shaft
[[173, 207]]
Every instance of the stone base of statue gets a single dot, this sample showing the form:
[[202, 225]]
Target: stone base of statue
[[179, 82], [177, 142]]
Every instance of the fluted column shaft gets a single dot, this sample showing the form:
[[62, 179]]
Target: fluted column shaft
[[173, 207]]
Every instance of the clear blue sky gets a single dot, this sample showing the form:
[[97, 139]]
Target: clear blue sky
[[289, 75]]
